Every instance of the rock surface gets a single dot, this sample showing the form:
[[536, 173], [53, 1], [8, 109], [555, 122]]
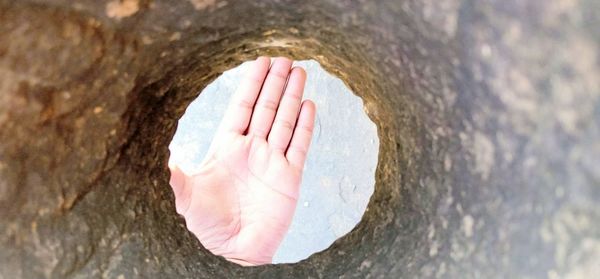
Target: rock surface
[[488, 114]]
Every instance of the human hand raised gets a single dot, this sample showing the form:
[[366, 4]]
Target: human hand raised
[[241, 201]]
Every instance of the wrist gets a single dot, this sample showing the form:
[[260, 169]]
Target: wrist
[[245, 262]]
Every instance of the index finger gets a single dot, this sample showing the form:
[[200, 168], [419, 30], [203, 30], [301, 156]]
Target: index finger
[[239, 111]]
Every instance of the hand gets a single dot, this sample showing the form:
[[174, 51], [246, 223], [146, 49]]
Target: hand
[[241, 201]]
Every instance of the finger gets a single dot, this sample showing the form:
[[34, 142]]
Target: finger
[[287, 113], [268, 100], [296, 152], [240, 107]]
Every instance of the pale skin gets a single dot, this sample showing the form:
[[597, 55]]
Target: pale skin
[[241, 201]]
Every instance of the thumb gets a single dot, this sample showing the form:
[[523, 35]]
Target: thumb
[[178, 185], [177, 180]]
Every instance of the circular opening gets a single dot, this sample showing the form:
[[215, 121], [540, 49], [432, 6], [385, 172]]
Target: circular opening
[[339, 173]]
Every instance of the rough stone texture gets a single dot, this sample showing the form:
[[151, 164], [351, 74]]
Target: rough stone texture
[[339, 174], [488, 114]]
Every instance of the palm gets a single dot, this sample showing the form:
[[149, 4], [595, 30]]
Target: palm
[[241, 201]]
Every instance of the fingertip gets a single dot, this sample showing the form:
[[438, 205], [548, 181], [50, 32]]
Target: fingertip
[[299, 70], [263, 60], [283, 59], [309, 105]]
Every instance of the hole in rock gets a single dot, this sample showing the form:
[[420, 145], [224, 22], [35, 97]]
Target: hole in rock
[[339, 174]]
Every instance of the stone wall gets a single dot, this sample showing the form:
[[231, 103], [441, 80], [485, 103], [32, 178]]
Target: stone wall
[[488, 115]]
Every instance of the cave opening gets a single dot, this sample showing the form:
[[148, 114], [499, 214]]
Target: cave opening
[[398, 130], [339, 175]]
